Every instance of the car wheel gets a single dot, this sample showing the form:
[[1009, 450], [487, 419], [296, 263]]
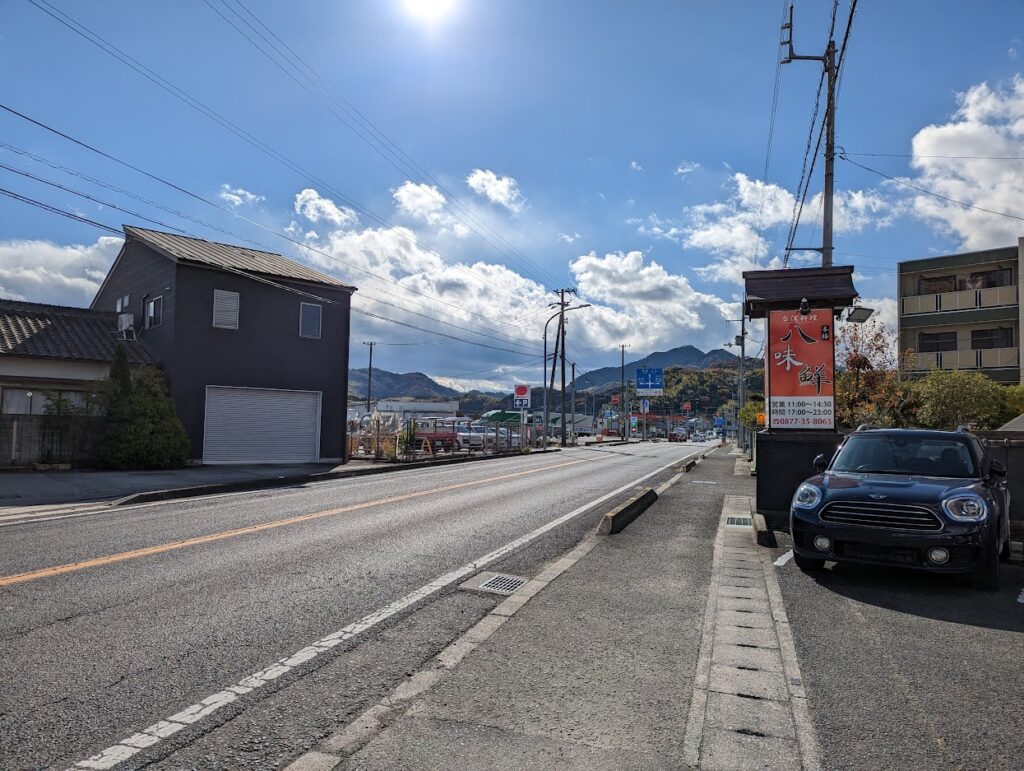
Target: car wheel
[[808, 564], [986, 576]]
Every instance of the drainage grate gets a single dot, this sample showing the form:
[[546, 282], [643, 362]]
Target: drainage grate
[[503, 584], [739, 521]]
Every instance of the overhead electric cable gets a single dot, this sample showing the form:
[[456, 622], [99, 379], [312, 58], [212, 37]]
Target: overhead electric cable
[[946, 157], [61, 212]]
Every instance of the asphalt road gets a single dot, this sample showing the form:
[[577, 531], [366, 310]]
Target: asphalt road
[[153, 608], [909, 670]]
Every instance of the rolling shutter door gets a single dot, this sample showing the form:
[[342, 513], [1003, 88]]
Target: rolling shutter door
[[261, 425]]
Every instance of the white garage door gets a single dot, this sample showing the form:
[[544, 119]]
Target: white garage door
[[261, 425]]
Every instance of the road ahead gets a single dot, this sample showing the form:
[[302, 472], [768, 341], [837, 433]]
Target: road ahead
[[118, 620]]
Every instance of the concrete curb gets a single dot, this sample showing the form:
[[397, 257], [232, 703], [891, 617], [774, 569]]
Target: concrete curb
[[245, 485], [762, 533], [618, 519]]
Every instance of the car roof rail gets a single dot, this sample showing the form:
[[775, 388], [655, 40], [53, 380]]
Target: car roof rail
[[866, 427]]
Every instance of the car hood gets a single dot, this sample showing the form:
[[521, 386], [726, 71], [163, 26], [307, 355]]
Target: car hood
[[896, 488]]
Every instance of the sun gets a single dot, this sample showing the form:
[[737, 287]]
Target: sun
[[429, 9]]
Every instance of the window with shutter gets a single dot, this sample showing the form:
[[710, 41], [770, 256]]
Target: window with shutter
[[225, 309], [309, 320]]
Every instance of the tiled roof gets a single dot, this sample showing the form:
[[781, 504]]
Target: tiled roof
[[58, 332], [225, 256]]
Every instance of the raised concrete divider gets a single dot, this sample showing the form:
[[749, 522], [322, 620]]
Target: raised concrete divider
[[616, 520], [246, 485]]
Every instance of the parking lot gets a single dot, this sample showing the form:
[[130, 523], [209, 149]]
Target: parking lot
[[909, 670]]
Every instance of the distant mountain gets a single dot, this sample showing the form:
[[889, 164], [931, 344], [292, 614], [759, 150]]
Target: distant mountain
[[391, 385], [684, 356]]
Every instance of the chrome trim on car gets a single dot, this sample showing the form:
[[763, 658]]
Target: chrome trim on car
[[883, 516]]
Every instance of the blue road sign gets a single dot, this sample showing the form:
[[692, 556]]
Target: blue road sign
[[645, 405], [719, 421], [650, 381]]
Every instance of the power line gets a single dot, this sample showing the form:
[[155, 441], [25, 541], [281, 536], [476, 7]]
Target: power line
[[61, 212], [363, 128], [237, 130], [932, 193], [242, 217], [946, 157]]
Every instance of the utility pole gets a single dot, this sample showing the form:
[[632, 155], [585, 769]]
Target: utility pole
[[574, 401], [622, 394], [743, 382], [369, 375], [828, 60], [561, 329]]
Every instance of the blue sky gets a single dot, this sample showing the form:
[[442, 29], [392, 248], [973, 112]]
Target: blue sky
[[615, 147]]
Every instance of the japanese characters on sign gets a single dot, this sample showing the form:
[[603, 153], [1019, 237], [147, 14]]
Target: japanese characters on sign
[[800, 368], [650, 381]]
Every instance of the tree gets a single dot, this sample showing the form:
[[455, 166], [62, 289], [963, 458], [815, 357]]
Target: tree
[[951, 398], [751, 409], [142, 431], [120, 377], [1014, 400], [867, 385]]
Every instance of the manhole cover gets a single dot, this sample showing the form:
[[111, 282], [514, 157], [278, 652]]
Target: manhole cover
[[503, 584], [739, 521]]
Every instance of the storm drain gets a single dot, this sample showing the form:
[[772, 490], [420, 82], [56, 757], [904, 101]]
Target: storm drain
[[739, 521], [503, 584]]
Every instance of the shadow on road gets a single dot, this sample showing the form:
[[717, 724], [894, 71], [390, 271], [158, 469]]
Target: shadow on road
[[940, 597]]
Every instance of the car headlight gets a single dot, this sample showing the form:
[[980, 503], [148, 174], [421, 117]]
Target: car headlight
[[806, 497], [965, 508]]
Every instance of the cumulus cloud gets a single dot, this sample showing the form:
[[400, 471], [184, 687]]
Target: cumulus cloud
[[316, 208], [503, 191], [237, 196], [988, 122], [635, 166], [45, 272], [425, 203], [568, 238]]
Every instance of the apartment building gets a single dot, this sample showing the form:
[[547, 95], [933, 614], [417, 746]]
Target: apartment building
[[963, 311]]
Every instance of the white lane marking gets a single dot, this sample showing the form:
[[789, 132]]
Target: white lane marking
[[783, 559], [297, 488], [192, 714]]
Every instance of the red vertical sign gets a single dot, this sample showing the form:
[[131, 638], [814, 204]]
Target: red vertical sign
[[800, 369]]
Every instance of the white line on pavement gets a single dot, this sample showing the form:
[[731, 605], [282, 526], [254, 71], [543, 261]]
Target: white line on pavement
[[191, 715], [783, 559]]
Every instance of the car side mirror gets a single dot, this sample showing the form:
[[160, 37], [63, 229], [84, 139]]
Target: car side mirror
[[820, 463], [996, 468]]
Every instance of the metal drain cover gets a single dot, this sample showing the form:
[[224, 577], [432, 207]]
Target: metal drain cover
[[502, 583], [739, 521]]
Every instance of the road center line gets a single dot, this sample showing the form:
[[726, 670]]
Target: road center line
[[147, 737], [148, 551]]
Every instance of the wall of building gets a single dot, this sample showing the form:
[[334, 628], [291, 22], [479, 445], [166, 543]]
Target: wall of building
[[265, 351]]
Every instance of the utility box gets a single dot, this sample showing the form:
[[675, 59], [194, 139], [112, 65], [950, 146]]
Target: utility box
[[784, 460]]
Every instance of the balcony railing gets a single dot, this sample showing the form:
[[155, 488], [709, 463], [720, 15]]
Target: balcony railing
[[966, 299], [988, 358]]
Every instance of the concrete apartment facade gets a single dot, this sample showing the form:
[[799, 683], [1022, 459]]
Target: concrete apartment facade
[[963, 311]]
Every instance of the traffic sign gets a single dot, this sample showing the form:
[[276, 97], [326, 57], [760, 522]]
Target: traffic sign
[[686, 406], [719, 421], [650, 381], [521, 396], [645, 405], [615, 398]]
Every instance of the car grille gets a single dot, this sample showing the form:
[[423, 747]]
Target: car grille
[[889, 516]]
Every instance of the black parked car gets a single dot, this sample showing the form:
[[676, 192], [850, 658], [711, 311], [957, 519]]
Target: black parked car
[[932, 500]]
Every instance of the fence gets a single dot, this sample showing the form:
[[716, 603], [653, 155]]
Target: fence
[[1008, 447], [27, 440], [380, 440]]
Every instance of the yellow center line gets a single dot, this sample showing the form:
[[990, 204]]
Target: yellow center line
[[72, 567]]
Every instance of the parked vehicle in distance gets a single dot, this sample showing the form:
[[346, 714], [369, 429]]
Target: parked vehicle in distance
[[929, 500], [678, 435], [440, 434], [467, 439]]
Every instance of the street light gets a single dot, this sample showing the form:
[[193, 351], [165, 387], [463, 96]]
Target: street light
[[544, 365]]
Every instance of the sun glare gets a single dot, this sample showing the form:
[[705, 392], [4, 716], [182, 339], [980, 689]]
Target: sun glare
[[428, 9]]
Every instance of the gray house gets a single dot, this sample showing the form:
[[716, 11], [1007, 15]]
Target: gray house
[[254, 346]]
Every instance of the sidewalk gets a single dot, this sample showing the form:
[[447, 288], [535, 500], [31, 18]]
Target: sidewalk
[[596, 671]]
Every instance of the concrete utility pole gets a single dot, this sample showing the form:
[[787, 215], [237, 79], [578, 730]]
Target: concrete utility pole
[[559, 338], [574, 400], [828, 59], [622, 394], [561, 329], [369, 375]]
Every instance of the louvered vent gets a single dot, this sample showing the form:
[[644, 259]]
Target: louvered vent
[[225, 309]]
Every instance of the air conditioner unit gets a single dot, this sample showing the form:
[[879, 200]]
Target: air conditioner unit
[[125, 321]]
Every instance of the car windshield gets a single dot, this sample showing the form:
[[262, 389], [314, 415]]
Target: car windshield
[[918, 455]]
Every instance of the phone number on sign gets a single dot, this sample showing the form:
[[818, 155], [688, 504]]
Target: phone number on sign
[[802, 421]]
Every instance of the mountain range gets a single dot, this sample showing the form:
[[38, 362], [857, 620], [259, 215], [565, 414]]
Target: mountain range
[[416, 385]]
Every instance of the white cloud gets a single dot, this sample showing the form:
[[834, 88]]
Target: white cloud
[[315, 208], [426, 203], [685, 168], [568, 238], [635, 166], [237, 196], [45, 272], [503, 191], [1014, 50], [988, 122]]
